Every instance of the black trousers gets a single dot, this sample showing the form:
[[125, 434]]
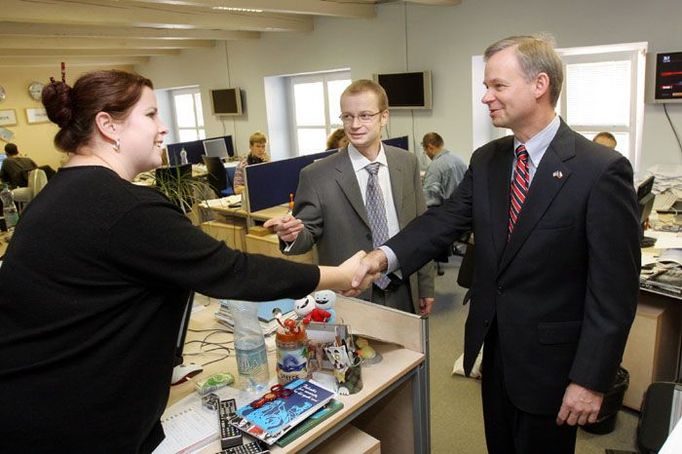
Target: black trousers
[[509, 430]]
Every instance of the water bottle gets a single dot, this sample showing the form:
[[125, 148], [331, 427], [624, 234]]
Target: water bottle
[[249, 344], [9, 208], [183, 156]]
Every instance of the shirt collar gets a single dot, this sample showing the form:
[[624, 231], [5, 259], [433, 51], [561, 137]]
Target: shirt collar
[[539, 143], [359, 161]]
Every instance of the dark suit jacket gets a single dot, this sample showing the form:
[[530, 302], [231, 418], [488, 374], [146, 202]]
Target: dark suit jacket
[[564, 288], [329, 202]]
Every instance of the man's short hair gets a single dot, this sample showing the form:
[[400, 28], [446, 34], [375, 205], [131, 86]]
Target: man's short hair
[[605, 135], [432, 138], [363, 85], [257, 137], [536, 55], [11, 149]]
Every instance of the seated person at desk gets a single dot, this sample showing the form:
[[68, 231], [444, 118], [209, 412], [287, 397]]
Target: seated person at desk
[[15, 168], [337, 140], [605, 138], [257, 154], [90, 309]]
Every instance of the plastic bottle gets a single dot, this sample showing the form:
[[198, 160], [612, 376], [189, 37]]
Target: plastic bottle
[[9, 208], [249, 344], [183, 156], [292, 352]]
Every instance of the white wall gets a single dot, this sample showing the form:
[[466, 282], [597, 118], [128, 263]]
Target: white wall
[[441, 39]]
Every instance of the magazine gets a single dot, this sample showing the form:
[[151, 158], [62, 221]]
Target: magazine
[[277, 417]]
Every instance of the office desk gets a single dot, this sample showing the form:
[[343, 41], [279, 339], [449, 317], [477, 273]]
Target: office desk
[[393, 405]]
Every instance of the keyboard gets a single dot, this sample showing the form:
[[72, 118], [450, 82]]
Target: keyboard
[[664, 201]]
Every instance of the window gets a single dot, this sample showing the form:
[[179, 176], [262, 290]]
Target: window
[[603, 91], [188, 115], [316, 108]]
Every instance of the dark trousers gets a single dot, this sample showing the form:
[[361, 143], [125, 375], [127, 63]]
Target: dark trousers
[[395, 296], [509, 430]]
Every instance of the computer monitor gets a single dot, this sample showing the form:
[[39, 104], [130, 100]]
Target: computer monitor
[[645, 200], [182, 332], [194, 149], [216, 148], [400, 142]]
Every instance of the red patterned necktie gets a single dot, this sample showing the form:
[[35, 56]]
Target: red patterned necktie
[[519, 187]]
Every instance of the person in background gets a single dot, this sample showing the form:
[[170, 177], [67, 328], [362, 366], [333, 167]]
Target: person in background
[[257, 154], [15, 168], [605, 138], [95, 281], [557, 257], [444, 173], [358, 197], [337, 140]]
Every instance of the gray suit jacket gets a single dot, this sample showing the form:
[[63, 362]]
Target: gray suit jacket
[[329, 202]]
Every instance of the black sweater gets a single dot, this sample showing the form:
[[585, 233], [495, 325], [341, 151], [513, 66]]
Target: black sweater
[[92, 290]]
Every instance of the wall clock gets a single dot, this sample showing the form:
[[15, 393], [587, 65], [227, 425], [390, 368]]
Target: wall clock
[[35, 90], [3, 94]]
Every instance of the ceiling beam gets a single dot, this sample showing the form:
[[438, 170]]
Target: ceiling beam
[[116, 14], [103, 43], [305, 7], [436, 2], [72, 61], [50, 52], [100, 31]]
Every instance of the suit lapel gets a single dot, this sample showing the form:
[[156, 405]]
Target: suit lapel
[[500, 177], [348, 184], [396, 175], [549, 178]]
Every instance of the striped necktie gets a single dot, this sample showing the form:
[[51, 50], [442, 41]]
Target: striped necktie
[[519, 187], [376, 213]]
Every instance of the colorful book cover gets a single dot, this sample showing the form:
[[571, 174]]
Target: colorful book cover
[[316, 418], [275, 418]]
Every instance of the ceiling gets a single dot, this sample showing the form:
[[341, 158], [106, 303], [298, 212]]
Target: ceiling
[[129, 32]]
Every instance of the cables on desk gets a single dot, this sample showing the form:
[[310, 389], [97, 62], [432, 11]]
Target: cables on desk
[[210, 347]]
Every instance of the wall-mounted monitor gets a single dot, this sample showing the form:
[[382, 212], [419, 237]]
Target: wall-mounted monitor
[[668, 77], [226, 101], [407, 90]]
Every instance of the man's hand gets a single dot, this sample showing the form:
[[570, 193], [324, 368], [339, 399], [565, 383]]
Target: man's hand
[[580, 406], [349, 267], [371, 265], [286, 227], [425, 305]]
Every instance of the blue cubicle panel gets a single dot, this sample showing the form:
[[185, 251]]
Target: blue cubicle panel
[[270, 183], [400, 142], [194, 149]]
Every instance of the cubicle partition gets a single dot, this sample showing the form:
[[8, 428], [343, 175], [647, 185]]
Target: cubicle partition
[[270, 183]]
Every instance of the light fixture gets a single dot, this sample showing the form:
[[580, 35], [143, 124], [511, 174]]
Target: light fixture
[[237, 10]]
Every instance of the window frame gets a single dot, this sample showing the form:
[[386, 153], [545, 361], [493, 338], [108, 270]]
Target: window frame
[[330, 124], [195, 92]]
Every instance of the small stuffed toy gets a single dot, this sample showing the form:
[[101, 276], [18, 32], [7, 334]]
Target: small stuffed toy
[[325, 300], [305, 308]]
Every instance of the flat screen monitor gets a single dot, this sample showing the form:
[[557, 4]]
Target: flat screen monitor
[[216, 148], [227, 101], [645, 200], [407, 90], [668, 77], [400, 142]]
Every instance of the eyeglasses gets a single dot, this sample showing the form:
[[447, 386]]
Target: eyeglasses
[[364, 117]]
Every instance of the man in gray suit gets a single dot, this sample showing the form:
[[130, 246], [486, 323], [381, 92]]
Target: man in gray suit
[[335, 195]]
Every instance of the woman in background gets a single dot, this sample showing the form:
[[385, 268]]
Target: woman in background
[[257, 154], [96, 278], [337, 139]]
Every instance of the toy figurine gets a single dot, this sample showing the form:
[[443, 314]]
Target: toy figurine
[[305, 308], [325, 300]]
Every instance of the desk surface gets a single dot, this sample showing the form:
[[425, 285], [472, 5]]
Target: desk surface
[[397, 362]]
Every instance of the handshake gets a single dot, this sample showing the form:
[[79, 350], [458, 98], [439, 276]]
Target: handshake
[[351, 277]]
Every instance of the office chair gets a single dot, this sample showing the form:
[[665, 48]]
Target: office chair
[[37, 179], [217, 176]]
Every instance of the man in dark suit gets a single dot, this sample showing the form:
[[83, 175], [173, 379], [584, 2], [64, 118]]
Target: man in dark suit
[[556, 260], [334, 198]]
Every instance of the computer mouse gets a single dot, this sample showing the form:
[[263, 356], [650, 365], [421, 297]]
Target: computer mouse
[[183, 372]]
